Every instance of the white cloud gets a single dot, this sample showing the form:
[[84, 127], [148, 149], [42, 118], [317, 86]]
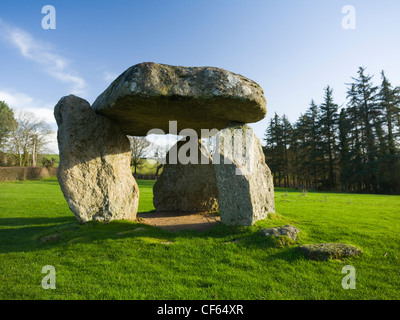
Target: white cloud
[[22, 101], [109, 76], [41, 53], [43, 111]]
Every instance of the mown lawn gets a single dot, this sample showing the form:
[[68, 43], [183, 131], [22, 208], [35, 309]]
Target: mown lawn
[[113, 261]]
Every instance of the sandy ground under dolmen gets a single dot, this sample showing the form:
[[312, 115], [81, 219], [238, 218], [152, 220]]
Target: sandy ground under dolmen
[[175, 221]]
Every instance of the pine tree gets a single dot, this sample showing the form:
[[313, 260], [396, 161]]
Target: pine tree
[[328, 123], [287, 136], [344, 150], [389, 102], [362, 94], [357, 150], [314, 141], [306, 148], [273, 149]]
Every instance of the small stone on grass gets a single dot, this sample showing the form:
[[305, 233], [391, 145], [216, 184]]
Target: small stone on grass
[[326, 251]]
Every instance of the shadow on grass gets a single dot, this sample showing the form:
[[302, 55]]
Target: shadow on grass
[[34, 234], [17, 222]]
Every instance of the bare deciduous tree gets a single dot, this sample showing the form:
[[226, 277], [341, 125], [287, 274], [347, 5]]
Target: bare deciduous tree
[[160, 154], [29, 138], [139, 149]]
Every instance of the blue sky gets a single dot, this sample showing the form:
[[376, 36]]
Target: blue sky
[[293, 49]]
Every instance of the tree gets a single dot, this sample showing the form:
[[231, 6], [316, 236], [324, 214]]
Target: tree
[[28, 138], [366, 114], [273, 150], [328, 122], [357, 150], [389, 102], [160, 154], [139, 150], [47, 163], [278, 138], [287, 144], [7, 123], [308, 148], [344, 150]]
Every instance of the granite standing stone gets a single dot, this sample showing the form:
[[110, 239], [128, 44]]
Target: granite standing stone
[[94, 171], [187, 187], [244, 181]]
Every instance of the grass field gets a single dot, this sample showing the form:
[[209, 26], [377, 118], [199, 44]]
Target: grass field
[[113, 261]]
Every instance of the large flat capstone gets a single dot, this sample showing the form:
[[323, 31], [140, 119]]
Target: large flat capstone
[[94, 171], [149, 95]]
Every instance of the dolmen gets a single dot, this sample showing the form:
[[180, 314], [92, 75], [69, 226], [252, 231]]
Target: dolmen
[[197, 103]]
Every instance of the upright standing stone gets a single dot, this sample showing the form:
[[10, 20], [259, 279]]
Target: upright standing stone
[[94, 172], [244, 181], [187, 187]]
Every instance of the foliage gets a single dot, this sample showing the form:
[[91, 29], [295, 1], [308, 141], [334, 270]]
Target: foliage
[[356, 149], [47, 163], [7, 123]]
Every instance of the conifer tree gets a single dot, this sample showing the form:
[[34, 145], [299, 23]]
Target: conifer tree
[[328, 123], [362, 94]]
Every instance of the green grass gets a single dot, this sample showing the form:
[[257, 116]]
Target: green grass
[[112, 261]]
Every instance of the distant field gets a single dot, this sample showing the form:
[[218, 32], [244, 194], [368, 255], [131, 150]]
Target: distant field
[[50, 156], [149, 167], [113, 261]]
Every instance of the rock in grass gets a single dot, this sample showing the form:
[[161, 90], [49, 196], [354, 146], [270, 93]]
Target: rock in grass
[[94, 171], [148, 95], [288, 231], [53, 238], [326, 251]]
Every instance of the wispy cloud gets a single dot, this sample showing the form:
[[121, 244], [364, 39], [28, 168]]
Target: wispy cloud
[[44, 111], [41, 53], [109, 76], [22, 101]]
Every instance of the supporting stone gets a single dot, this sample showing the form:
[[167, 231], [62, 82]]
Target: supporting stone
[[244, 181], [94, 172], [187, 187]]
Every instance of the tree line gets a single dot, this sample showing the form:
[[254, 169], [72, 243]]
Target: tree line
[[23, 137], [352, 148]]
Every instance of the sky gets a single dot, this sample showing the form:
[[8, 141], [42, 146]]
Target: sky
[[292, 48]]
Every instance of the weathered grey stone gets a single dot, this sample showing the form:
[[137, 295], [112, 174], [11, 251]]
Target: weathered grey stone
[[94, 171], [187, 187], [245, 186], [326, 251], [53, 238], [149, 95], [288, 231]]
